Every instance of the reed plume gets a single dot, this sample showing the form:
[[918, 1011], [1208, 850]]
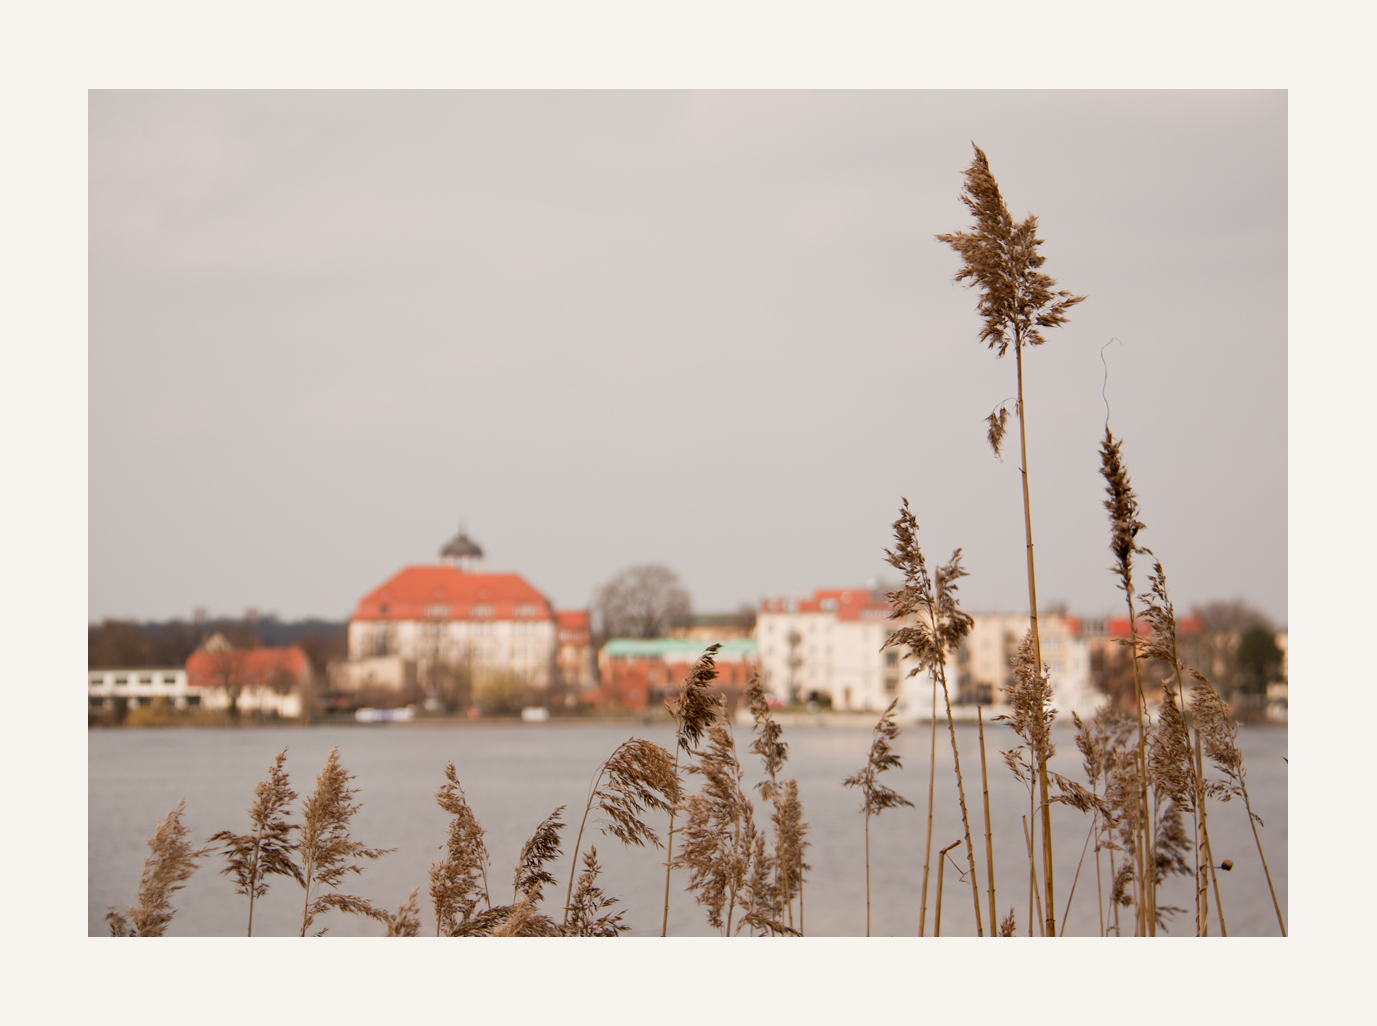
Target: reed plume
[[328, 853], [588, 909], [875, 797], [1017, 300], [460, 879], [640, 777], [1124, 527], [719, 837], [1171, 764], [786, 817], [696, 708], [165, 872], [407, 920], [1219, 733], [936, 626], [267, 850]]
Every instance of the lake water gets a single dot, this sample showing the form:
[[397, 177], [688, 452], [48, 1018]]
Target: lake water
[[514, 775]]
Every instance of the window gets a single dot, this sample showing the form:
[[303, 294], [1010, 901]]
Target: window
[[480, 610], [437, 610], [528, 609], [145, 679], [169, 679], [121, 681], [97, 681], [892, 659]]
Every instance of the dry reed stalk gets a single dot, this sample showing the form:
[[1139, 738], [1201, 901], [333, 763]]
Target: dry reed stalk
[[458, 880], [1205, 837], [719, 839], [932, 781], [1033, 892], [1170, 758], [327, 850], [937, 626], [1122, 505], [1032, 717], [787, 811], [165, 872], [267, 850], [640, 777], [1017, 301], [1220, 735], [1007, 925], [695, 709], [989, 837], [941, 866], [875, 796]]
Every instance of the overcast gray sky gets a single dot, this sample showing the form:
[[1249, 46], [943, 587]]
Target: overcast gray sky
[[711, 330]]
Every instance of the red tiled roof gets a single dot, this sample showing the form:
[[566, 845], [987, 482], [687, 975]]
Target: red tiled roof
[[572, 619], [1117, 626], [447, 593], [846, 603], [252, 667]]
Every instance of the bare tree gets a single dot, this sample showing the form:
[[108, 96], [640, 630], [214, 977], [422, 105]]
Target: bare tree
[[641, 602]]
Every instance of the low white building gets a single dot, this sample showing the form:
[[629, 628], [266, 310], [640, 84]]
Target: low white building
[[140, 686], [985, 660]]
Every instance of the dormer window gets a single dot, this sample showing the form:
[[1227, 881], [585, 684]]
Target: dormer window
[[481, 610]]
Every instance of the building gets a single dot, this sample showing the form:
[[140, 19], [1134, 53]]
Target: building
[[261, 680], [639, 673], [829, 649], [985, 660], [425, 618], [138, 687], [574, 660]]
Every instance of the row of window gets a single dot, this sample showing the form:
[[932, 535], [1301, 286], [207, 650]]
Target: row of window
[[123, 679]]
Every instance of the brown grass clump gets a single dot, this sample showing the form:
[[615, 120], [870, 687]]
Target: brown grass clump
[[328, 853], [461, 878], [267, 850], [875, 797], [165, 872]]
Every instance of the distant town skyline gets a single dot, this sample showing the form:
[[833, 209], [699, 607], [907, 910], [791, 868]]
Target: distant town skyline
[[711, 330]]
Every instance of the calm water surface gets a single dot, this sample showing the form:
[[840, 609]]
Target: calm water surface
[[516, 774]]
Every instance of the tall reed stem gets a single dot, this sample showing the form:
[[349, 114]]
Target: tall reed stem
[[1205, 835], [669, 851], [867, 873], [961, 795], [989, 839], [932, 780], [1051, 926], [1252, 822], [1033, 892]]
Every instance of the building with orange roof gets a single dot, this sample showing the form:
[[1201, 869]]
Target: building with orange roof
[[452, 614], [260, 680]]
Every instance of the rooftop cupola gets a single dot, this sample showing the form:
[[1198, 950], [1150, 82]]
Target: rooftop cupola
[[461, 551]]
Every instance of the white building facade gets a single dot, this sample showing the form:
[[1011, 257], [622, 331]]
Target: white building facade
[[140, 687], [441, 615], [829, 648]]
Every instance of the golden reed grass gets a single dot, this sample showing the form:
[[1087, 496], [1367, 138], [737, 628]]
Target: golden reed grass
[[1017, 300]]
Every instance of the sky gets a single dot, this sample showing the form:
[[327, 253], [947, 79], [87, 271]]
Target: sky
[[712, 330]]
